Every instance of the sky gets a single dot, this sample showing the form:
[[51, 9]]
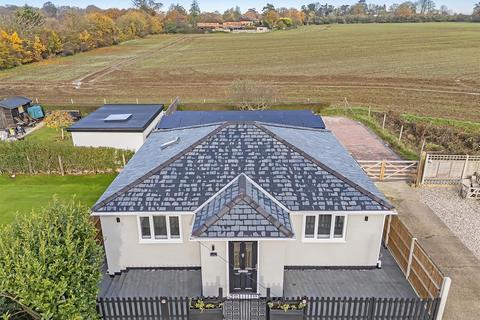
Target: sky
[[461, 6]]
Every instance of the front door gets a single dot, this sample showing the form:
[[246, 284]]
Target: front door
[[243, 266]]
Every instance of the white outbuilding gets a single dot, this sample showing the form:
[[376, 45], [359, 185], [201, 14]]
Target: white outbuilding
[[121, 126]]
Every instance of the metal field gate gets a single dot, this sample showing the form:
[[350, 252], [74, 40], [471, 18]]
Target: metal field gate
[[245, 308]]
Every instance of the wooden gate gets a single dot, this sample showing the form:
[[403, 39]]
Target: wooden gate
[[390, 170]]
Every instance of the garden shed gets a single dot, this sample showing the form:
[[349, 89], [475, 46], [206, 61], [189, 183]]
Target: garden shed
[[121, 126], [12, 109]]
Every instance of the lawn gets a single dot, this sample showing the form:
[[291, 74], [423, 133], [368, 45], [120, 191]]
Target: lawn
[[426, 69], [24, 193], [49, 135]]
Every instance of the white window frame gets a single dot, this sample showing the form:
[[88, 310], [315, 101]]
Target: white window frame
[[332, 228], [169, 239]]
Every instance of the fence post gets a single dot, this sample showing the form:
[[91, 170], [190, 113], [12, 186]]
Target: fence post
[[61, 165], [220, 292], [400, 135], [371, 315], [410, 257], [443, 297], [384, 120], [30, 170], [424, 167], [71, 100], [164, 308], [382, 170], [123, 159], [465, 167], [268, 292], [369, 111], [420, 169]]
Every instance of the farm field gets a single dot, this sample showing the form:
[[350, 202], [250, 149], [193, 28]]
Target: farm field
[[425, 69], [25, 193]]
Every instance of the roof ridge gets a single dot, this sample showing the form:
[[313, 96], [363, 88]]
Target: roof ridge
[[155, 170], [327, 168]]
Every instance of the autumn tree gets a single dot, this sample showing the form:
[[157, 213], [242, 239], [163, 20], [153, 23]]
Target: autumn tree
[[194, 13], [103, 29], [59, 120], [406, 9], [476, 10], [269, 15], [252, 95], [27, 19], [252, 15], [149, 6], [176, 19]]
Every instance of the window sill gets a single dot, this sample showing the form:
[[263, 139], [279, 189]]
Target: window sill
[[324, 240], [159, 241]]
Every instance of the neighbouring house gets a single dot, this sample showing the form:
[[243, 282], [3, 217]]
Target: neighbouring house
[[122, 126], [242, 197], [12, 111], [208, 25]]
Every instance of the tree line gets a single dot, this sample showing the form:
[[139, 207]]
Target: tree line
[[30, 34]]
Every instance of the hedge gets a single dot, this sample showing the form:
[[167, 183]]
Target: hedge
[[25, 157]]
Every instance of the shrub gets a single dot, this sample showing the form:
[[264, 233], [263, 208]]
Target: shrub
[[23, 156], [51, 262]]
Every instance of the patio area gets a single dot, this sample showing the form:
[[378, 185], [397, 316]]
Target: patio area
[[387, 282]]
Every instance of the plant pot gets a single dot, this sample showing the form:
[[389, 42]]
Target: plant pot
[[286, 315], [206, 314]]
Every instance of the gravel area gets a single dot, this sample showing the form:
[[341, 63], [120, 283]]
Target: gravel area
[[462, 216]]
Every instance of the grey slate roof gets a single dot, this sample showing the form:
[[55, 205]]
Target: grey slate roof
[[242, 210], [296, 176], [300, 118], [142, 117], [14, 102]]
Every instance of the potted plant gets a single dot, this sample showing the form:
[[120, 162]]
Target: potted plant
[[287, 310], [206, 310]]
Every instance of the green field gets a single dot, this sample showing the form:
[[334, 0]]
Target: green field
[[429, 69], [24, 193]]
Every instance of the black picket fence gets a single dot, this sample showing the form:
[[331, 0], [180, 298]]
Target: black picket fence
[[167, 308]]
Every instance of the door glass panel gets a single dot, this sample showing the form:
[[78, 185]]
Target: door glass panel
[[324, 224], [160, 227], [249, 255], [339, 222], [236, 255], [174, 227], [309, 226]]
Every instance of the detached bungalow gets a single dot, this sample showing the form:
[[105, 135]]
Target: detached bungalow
[[243, 201]]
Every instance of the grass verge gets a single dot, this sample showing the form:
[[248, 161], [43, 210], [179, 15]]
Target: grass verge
[[24, 193]]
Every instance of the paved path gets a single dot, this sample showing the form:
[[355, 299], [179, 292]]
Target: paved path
[[448, 252], [359, 140]]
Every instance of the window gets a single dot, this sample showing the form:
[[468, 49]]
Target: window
[[324, 227], [160, 228]]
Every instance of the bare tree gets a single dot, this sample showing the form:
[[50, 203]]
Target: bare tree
[[253, 95], [425, 6]]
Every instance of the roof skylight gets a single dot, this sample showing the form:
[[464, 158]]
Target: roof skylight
[[118, 117]]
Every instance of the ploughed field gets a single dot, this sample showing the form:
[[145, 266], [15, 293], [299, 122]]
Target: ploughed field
[[428, 69]]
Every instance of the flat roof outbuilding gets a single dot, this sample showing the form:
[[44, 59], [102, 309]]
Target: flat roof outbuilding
[[14, 102], [140, 117]]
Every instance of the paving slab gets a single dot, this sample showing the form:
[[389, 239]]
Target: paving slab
[[362, 143], [446, 250]]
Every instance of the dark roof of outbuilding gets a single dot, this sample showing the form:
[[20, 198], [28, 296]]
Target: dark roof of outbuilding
[[303, 169], [14, 102], [298, 118], [242, 210], [141, 117]]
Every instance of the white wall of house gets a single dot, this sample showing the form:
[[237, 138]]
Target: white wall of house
[[214, 268], [271, 262], [360, 248], [119, 140], [152, 125], [124, 248]]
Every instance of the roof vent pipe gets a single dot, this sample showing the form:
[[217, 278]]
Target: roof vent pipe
[[170, 143]]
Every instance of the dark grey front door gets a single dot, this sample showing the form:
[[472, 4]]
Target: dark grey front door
[[243, 266]]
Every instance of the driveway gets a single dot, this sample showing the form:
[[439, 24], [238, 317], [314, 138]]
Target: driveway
[[359, 140], [446, 250]]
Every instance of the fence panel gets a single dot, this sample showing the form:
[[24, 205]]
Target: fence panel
[[420, 270], [449, 169]]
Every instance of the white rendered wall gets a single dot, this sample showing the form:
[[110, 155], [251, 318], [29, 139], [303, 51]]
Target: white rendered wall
[[214, 268], [123, 247], [119, 140]]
